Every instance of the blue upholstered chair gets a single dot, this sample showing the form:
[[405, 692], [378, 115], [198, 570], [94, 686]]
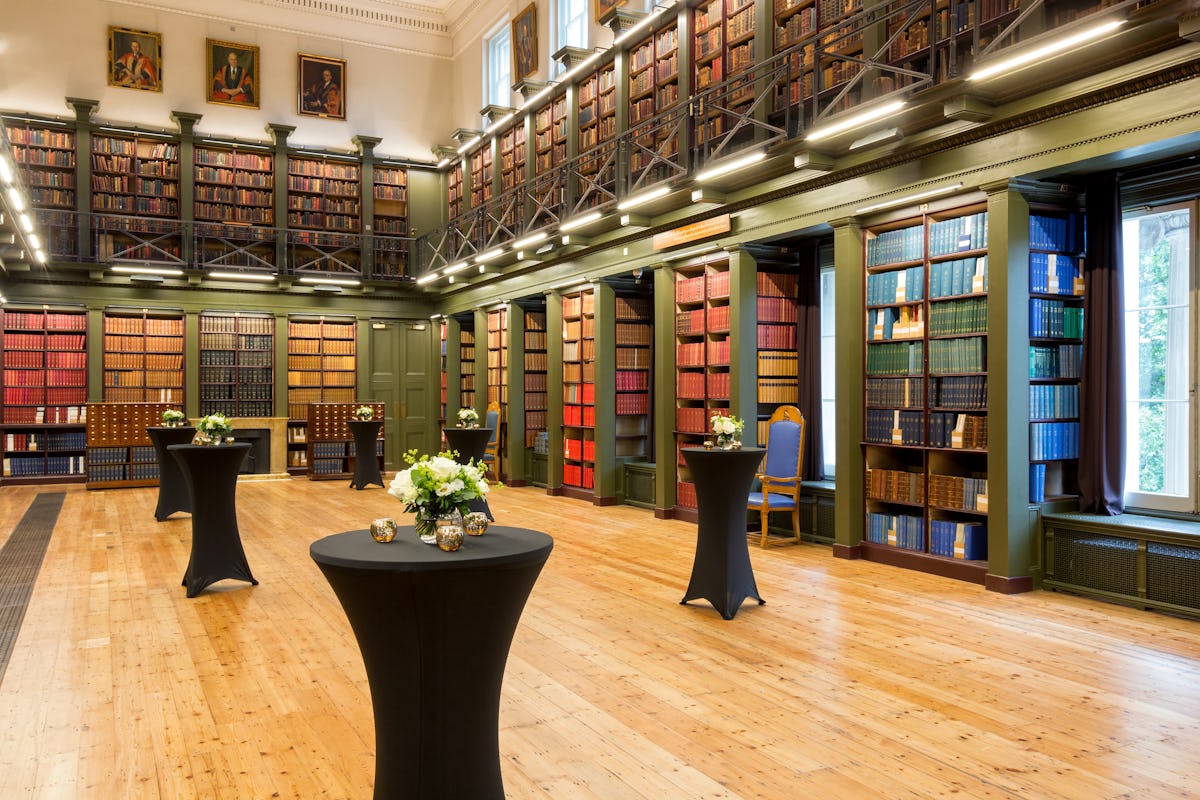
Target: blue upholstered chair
[[491, 419], [781, 473]]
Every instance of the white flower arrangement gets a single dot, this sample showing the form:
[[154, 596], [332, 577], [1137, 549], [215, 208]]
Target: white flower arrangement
[[364, 413], [437, 485], [172, 417], [468, 418], [215, 426], [726, 428]]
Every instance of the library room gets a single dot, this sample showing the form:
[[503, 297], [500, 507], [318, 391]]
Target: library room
[[747, 399]]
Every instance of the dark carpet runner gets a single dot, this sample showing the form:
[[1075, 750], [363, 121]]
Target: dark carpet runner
[[20, 559]]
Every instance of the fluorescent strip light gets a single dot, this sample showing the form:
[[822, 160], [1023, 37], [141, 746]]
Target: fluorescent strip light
[[14, 196], [243, 145], [40, 255], [6, 173], [579, 222], [855, 121], [911, 198], [489, 255], [428, 277], [126, 269], [470, 144], [731, 165], [574, 283], [500, 123], [34, 242], [241, 276], [644, 197], [1048, 50], [443, 163], [533, 238], [26, 222], [453, 268], [330, 281], [708, 248], [535, 98], [580, 67]]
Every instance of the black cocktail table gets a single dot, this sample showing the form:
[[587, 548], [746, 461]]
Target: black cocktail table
[[434, 629], [721, 572], [366, 462], [471, 443], [211, 474], [172, 488]]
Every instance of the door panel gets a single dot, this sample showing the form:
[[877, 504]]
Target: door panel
[[400, 378]]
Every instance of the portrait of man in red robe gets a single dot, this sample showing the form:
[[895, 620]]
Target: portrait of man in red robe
[[134, 58]]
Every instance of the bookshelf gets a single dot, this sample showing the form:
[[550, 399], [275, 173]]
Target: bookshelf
[[512, 157], [466, 356], [549, 150], [454, 190], [136, 175], [723, 47], [329, 442], [391, 200], [143, 356], [237, 364], [597, 101], [497, 379], [579, 393], [796, 20], [925, 392], [634, 360], [1056, 319], [119, 451], [322, 368], [481, 175], [323, 194], [45, 157], [234, 185], [702, 378], [778, 313], [653, 88], [536, 377], [44, 396]]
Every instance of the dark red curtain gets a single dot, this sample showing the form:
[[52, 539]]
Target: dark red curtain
[[1102, 404]]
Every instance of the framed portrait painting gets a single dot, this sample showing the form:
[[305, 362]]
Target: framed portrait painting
[[322, 91], [135, 59], [232, 74], [602, 7], [524, 43]]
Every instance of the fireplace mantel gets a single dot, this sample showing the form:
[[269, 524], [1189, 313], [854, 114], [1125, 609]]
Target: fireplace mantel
[[278, 428]]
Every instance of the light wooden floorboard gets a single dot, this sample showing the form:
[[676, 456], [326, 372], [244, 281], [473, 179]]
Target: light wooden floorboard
[[855, 680]]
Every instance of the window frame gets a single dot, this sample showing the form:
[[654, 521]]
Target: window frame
[[561, 30], [501, 31]]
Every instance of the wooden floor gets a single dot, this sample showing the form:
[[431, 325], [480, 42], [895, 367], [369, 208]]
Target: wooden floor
[[854, 681]]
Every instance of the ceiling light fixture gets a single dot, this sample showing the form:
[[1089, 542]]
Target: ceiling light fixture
[[129, 269], [855, 121], [533, 238], [14, 196], [910, 198], [708, 248], [313, 281], [730, 165], [489, 255], [643, 198], [241, 276], [6, 173], [579, 222], [469, 145], [1050, 49], [428, 277], [456, 267]]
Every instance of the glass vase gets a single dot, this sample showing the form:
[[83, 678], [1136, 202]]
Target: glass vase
[[427, 524]]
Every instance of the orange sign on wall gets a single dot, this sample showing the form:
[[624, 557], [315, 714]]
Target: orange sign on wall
[[691, 233]]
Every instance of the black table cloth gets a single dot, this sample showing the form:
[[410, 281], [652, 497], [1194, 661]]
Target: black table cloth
[[434, 629], [721, 572], [172, 488], [210, 472], [471, 443], [366, 462]]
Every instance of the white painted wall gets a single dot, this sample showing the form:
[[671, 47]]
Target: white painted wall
[[53, 49]]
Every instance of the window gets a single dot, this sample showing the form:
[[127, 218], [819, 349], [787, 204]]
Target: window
[[1159, 262], [828, 363], [572, 24], [499, 67]]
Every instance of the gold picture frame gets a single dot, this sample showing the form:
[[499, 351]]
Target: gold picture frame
[[232, 76], [524, 43], [602, 7], [134, 59], [321, 87]]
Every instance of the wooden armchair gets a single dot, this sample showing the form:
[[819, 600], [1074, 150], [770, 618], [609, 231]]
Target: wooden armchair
[[491, 419], [781, 473]]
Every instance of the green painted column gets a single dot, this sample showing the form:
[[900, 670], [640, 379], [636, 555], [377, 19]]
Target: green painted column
[[554, 390], [608, 471], [191, 363], [453, 370], [743, 344], [516, 395], [849, 494], [664, 391]]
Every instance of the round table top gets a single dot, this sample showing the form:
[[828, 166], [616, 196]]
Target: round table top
[[207, 447], [406, 553]]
